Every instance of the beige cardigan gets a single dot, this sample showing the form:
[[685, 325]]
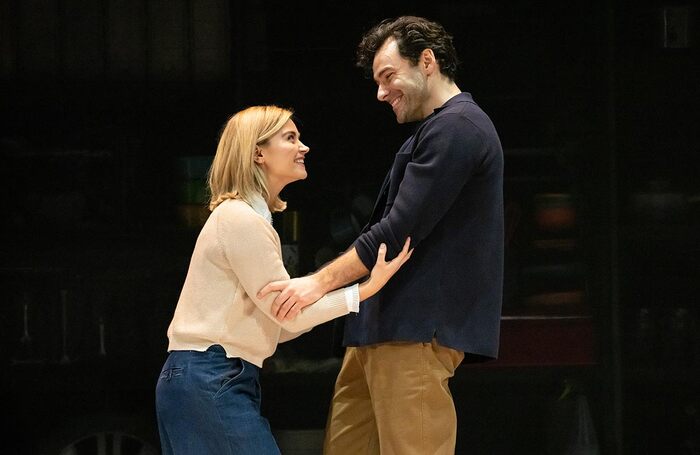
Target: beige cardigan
[[236, 254]]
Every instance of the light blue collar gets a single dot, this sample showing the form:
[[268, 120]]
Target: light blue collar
[[260, 206]]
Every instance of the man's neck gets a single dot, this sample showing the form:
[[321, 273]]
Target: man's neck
[[442, 91]]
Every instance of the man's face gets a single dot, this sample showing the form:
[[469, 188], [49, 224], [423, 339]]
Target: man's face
[[401, 84]]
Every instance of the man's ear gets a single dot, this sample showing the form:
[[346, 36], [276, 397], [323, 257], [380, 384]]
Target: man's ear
[[427, 61]]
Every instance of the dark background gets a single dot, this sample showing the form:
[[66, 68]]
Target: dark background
[[101, 100]]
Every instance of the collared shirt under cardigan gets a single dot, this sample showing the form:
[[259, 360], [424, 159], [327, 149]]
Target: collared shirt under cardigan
[[445, 190], [236, 254]]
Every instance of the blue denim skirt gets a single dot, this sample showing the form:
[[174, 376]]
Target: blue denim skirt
[[207, 403]]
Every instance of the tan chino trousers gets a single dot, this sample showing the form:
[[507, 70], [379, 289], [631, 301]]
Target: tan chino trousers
[[394, 399]]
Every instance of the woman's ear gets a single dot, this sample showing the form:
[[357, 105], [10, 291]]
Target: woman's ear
[[258, 155]]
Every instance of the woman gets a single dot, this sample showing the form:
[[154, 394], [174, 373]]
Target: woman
[[208, 394]]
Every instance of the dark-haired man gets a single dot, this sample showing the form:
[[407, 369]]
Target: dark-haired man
[[444, 190]]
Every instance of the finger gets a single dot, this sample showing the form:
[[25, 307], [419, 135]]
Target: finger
[[406, 245], [276, 308], [401, 260], [284, 310], [293, 313], [269, 287], [404, 251], [408, 256], [280, 300], [381, 254]]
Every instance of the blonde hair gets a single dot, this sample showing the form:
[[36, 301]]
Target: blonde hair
[[233, 173]]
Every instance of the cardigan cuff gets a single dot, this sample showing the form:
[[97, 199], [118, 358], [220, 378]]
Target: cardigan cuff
[[352, 298]]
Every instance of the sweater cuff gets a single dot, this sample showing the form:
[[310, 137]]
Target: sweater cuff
[[352, 298]]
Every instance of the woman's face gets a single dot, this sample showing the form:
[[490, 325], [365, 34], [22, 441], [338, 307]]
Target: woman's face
[[282, 157]]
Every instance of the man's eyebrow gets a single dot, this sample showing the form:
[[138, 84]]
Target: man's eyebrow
[[384, 70]]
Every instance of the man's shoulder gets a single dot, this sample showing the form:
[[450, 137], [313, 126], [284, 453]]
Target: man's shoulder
[[455, 119], [466, 108], [464, 115]]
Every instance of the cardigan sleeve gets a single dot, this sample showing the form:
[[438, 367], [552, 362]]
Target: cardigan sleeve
[[252, 249], [352, 294], [288, 336], [445, 157]]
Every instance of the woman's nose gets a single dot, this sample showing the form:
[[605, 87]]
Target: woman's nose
[[303, 148]]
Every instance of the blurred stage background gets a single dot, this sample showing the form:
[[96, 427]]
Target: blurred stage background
[[111, 111]]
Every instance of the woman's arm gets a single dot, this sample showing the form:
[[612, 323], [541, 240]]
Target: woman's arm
[[379, 276], [251, 249]]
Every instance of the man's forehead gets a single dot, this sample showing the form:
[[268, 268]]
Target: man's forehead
[[387, 56]]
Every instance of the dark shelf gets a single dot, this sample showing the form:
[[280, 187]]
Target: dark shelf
[[666, 376], [668, 237]]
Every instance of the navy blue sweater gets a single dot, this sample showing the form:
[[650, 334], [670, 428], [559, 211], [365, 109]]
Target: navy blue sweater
[[445, 190]]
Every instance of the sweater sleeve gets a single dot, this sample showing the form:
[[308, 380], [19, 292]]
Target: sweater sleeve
[[252, 249], [352, 297], [445, 157]]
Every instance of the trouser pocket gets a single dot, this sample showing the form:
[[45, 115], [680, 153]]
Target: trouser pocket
[[229, 377]]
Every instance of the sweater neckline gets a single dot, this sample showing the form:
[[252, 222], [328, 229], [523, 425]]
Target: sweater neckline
[[258, 204]]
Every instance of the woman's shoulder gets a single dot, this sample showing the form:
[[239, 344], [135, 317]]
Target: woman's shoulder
[[233, 205], [237, 212]]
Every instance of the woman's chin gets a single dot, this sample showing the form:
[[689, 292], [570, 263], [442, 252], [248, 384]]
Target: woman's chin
[[300, 177]]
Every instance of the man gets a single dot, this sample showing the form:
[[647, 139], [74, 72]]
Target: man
[[444, 190]]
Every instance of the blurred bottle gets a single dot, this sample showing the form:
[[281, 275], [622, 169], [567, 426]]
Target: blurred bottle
[[583, 439], [65, 359], [571, 430], [25, 351]]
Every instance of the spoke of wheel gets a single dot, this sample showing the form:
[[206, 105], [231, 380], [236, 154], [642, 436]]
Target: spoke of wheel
[[109, 443]]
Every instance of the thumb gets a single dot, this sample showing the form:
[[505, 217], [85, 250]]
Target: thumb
[[381, 254], [270, 287]]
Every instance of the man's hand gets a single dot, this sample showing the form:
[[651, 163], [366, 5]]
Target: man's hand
[[295, 294], [383, 271]]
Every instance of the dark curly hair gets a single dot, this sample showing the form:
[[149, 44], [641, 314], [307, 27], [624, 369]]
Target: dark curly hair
[[413, 35]]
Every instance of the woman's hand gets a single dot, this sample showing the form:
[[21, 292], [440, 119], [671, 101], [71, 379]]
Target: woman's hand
[[382, 270]]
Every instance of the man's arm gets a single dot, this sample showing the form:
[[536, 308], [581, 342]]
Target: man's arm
[[446, 156], [298, 293]]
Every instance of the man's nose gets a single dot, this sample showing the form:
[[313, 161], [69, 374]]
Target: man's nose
[[381, 92]]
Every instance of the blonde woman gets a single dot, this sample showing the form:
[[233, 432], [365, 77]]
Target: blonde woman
[[208, 394]]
